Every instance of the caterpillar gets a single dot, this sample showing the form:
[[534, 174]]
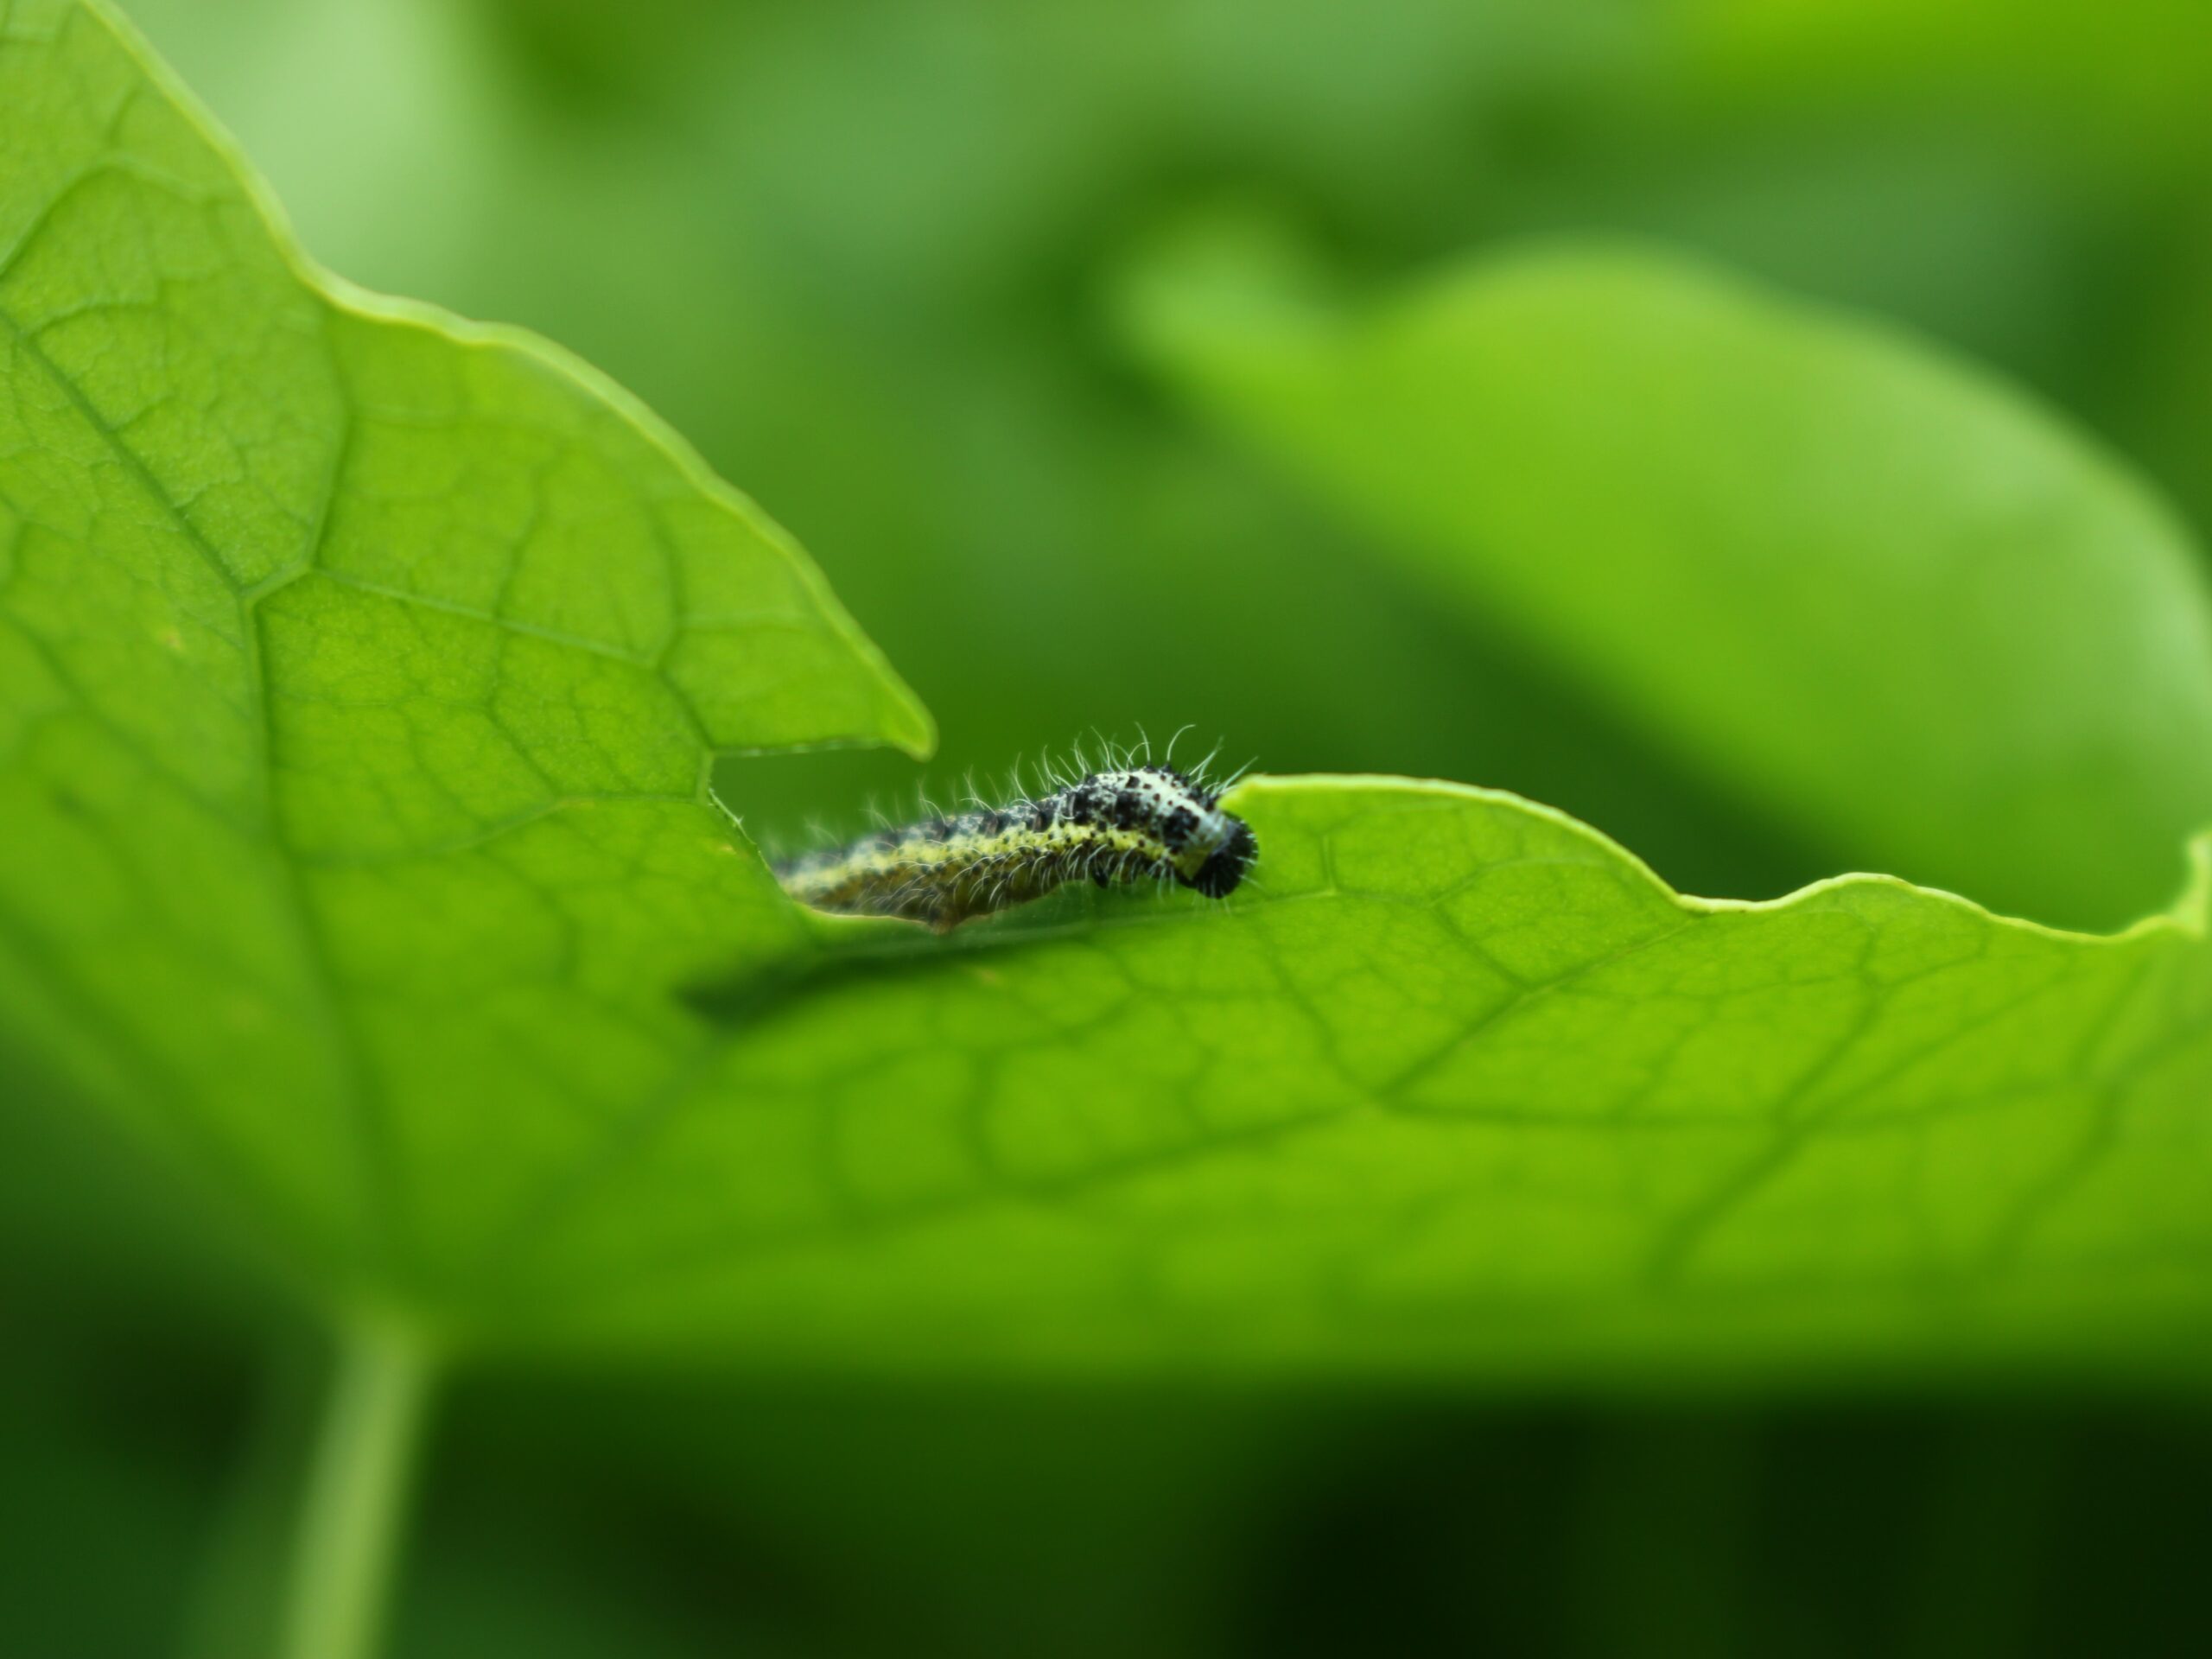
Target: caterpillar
[[1113, 826]]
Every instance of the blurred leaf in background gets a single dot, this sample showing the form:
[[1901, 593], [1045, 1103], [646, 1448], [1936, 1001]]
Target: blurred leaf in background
[[1891, 605]]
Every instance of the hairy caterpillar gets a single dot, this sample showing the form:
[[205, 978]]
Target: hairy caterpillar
[[1118, 825]]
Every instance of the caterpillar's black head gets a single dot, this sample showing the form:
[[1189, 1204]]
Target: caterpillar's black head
[[1219, 875]]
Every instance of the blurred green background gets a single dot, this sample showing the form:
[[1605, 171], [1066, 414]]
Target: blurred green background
[[863, 256]]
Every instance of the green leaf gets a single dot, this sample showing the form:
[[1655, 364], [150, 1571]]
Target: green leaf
[[1464, 1086], [358, 674], [1887, 600]]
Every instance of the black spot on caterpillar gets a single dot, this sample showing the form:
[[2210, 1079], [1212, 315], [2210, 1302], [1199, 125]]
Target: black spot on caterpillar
[[1125, 825]]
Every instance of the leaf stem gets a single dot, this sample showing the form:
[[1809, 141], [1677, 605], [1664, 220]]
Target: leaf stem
[[360, 1470]]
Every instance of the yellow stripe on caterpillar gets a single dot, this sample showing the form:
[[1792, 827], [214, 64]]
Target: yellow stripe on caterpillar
[[1116, 826]]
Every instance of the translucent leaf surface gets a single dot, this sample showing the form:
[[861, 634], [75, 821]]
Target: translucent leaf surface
[[1464, 1086], [359, 675], [359, 672]]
